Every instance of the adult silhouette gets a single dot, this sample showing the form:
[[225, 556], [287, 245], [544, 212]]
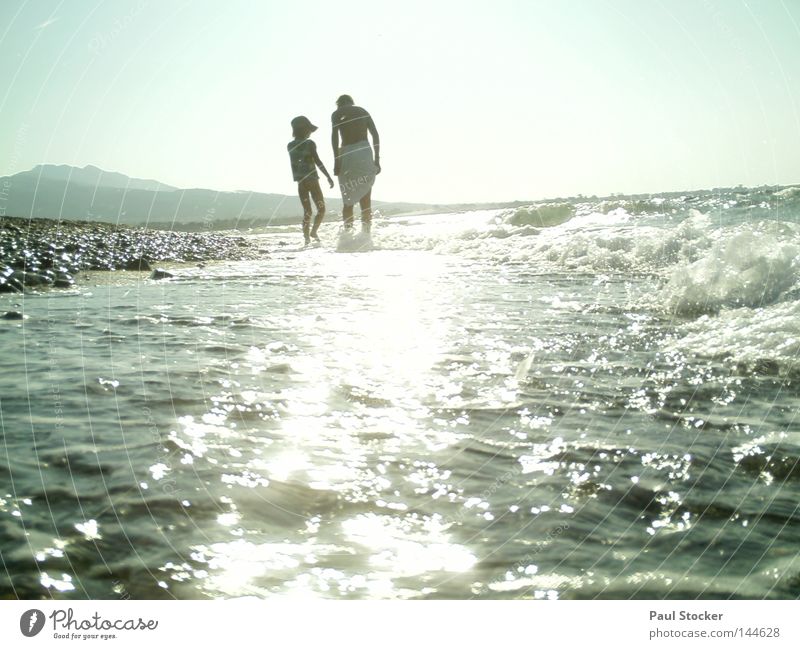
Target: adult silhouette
[[354, 162]]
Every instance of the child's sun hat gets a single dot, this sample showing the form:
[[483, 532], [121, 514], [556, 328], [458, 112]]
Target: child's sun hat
[[302, 123]]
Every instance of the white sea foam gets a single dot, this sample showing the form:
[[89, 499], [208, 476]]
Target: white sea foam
[[350, 242], [586, 242], [752, 266], [745, 334], [705, 265]]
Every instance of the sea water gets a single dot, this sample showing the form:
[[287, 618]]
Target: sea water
[[577, 399]]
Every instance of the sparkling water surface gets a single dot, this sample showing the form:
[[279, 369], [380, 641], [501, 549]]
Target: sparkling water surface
[[482, 406]]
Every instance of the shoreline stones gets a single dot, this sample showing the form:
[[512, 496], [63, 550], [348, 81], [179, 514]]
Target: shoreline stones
[[138, 263], [45, 253]]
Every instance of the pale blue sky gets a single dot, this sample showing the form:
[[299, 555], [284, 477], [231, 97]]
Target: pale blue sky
[[474, 101]]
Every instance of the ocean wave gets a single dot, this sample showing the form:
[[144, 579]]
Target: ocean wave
[[751, 265], [542, 215], [705, 251], [703, 263]]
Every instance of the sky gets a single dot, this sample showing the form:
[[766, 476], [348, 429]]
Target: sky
[[474, 101]]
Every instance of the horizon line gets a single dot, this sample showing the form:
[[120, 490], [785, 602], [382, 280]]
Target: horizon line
[[412, 202]]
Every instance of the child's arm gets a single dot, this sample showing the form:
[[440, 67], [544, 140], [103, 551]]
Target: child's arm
[[322, 168]]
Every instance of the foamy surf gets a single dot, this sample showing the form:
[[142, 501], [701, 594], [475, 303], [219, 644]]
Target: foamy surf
[[354, 242]]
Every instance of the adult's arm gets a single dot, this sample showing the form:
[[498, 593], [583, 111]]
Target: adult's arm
[[335, 144], [376, 141]]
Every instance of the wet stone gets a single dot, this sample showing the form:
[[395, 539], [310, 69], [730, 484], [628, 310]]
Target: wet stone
[[138, 263]]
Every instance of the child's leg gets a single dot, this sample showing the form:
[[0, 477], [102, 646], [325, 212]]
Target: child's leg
[[366, 212], [319, 201], [302, 190]]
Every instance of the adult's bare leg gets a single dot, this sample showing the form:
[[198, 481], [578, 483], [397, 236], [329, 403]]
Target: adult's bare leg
[[347, 215], [366, 212]]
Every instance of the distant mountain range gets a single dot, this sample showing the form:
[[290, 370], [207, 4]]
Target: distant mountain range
[[92, 194]]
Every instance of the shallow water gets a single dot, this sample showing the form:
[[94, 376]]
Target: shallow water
[[483, 406]]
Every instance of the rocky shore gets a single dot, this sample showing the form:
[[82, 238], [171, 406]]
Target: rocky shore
[[39, 253]]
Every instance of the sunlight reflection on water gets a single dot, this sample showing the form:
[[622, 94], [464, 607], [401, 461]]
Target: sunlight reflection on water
[[420, 422]]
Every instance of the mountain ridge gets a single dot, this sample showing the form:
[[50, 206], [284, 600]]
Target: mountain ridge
[[89, 193]]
